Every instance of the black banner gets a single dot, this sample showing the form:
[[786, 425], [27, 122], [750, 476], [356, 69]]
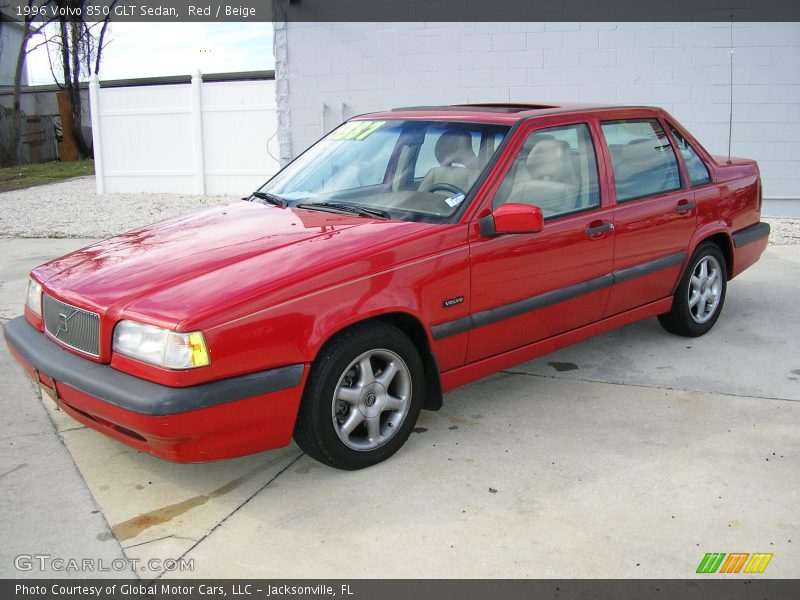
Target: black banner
[[735, 588], [403, 10]]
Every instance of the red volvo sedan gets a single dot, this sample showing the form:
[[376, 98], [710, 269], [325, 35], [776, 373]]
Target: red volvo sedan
[[406, 253]]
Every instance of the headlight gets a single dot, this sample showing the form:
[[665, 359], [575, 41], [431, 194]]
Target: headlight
[[33, 297], [170, 349]]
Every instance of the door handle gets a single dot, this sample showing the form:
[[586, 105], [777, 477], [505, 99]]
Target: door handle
[[597, 229], [684, 205]]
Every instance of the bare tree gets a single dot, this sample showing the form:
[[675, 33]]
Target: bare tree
[[79, 45], [33, 25]]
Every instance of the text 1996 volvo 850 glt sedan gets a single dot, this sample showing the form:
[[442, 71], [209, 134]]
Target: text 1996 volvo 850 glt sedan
[[406, 253]]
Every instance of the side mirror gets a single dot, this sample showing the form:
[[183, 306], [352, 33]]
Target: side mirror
[[512, 218]]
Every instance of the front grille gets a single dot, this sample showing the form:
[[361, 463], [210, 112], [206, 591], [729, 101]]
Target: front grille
[[72, 326]]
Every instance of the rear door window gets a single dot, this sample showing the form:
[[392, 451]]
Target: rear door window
[[642, 158]]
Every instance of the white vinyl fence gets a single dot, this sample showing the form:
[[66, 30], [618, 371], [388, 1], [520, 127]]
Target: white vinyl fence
[[199, 138]]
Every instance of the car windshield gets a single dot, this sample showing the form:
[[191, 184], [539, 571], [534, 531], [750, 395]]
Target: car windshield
[[403, 169]]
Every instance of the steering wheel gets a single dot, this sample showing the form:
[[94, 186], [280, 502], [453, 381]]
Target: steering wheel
[[445, 187]]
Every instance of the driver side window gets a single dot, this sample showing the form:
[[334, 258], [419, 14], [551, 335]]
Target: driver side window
[[556, 170]]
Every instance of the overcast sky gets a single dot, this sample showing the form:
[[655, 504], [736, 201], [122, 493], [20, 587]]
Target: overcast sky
[[155, 49]]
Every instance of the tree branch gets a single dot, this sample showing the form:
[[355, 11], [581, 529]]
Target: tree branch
[[100, 44]]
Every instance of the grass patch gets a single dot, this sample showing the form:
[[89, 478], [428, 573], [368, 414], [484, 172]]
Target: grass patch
[[14, 178]]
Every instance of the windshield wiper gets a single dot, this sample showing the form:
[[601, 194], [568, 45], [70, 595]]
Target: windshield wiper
[[270, 198], [346, 208]]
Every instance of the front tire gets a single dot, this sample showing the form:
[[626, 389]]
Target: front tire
[[698, 300], [362, 397]]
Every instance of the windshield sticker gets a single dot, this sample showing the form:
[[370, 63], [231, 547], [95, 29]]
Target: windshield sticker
[[454, 200], [356, 130]]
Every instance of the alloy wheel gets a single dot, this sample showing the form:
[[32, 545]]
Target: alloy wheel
[[371, 399], [705, 286]]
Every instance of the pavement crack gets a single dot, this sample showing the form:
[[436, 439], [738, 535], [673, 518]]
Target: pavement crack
[[641, 385], [17, 468], [73, 429], [133, 527], [163, 537], [32, 434], [238, 508]]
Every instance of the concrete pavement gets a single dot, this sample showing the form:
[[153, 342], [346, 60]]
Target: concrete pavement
[[630, 455], [46, 508]]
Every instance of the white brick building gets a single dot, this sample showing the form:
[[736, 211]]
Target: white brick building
[[331, 71]]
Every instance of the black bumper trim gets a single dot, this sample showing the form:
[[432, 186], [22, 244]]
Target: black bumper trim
[[643, 269], [751, 234], [133, 393]]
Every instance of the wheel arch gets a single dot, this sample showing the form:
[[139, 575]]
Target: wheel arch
[[725, 244], [717, 232], [411, 326]]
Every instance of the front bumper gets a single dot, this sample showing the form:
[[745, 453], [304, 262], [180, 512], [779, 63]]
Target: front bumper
[[221, 419]]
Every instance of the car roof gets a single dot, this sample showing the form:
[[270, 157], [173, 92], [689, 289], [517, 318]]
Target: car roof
[[492, 112]]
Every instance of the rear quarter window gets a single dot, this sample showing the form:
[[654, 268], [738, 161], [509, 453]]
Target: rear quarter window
[[698, 171]]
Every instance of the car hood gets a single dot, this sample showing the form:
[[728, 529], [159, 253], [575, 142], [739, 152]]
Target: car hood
[[183, 268]]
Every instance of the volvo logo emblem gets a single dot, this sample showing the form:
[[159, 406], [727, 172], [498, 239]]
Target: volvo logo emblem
[[370, 399], [63, 322], [452, 301]]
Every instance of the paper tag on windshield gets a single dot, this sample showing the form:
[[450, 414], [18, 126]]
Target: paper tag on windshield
[[454, 200]]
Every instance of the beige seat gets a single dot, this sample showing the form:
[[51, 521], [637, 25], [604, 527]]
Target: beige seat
[[645, 169], [552, 181], [457, 162], [640, 156]]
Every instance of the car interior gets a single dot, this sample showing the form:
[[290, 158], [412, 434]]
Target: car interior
[[558, 176], [642, 158], [432, 177], [640, 169], [458, 162]]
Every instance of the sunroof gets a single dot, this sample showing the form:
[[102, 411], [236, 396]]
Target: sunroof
[[499, 106], [502, 108]]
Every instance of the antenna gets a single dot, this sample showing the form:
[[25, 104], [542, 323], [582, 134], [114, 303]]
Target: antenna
[[730, 116]]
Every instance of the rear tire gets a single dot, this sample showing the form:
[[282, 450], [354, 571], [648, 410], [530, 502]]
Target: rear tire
[[698, 300], [362, 398]]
